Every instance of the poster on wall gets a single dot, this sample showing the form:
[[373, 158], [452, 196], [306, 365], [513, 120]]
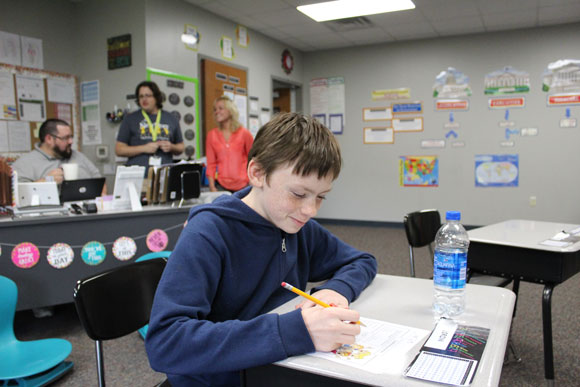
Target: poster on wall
[[561, 79], [327, 102], [496, 170], [506, 81], [32, 52], [451, 83], [182, 100], [419, 171]]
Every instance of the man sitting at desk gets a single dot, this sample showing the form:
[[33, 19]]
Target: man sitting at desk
[[210, 315], [55, 148]]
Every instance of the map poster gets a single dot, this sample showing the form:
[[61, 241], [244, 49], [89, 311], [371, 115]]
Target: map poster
[[419, 171], [496, 170]]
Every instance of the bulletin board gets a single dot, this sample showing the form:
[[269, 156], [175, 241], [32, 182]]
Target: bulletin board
[[181, 100], [30, 96]]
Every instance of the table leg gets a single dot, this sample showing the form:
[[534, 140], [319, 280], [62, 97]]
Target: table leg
[[547, 323], [516, 289]]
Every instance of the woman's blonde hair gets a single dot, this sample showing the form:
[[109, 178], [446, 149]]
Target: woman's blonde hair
[[232, 108]]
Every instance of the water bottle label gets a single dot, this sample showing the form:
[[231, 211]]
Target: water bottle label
[[450, 269]]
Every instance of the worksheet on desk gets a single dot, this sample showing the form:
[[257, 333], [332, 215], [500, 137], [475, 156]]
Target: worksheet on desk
[[378, 347]]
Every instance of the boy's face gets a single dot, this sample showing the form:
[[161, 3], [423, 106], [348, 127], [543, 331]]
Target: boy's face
[[288, 201]]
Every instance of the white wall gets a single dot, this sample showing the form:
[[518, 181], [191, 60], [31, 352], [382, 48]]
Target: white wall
[[368, 187], [165, 22]]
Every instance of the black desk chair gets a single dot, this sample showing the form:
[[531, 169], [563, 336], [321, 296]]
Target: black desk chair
[[421, 228], [117, 302]]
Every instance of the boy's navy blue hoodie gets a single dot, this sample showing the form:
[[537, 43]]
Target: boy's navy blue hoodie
[[210, 315]]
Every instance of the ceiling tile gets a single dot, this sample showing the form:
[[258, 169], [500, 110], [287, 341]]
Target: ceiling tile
[[507, 20], [249, 6], [559, 14], [437, 10], [454, 26]]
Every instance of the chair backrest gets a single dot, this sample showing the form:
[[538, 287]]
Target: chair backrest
[[421, 227], [8, 298], [117, 302], [153, 255]]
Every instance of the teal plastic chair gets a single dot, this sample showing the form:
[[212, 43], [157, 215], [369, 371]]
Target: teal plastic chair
[[155, 254], [27, 363]]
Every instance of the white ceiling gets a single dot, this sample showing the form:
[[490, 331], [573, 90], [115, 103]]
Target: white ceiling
[[279, 20]]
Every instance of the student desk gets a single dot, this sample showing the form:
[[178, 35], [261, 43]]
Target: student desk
[[43, 285], [512, 249], [405, 301]]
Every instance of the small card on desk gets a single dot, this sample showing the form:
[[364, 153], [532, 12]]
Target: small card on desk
[[450, 355]]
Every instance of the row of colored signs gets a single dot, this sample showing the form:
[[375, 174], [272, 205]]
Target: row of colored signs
[[60, 255]]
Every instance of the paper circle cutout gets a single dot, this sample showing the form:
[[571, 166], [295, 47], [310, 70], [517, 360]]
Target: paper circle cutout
[[157, 240], [60, 255], [124, 248], [25, 255], [93, 253]]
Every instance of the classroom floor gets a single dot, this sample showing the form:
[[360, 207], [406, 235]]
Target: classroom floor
[[126, 363]]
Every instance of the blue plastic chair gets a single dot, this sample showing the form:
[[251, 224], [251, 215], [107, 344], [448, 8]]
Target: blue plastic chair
[[155, 254], [27, 363]]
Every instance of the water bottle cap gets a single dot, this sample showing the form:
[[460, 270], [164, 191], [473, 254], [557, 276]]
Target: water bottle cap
[[453, 215]]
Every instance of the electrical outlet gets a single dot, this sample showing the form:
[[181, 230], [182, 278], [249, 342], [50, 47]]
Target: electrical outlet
[[532, 201]]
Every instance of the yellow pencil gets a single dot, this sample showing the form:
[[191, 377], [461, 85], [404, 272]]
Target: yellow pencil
[[286, 285]]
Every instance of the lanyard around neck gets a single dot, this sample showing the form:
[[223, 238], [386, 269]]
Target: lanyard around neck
[[153, 130]]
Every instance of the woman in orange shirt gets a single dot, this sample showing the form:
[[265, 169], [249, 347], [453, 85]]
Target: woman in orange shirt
[[227, 148]]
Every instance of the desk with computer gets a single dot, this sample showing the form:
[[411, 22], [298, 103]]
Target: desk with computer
[[167, 184]]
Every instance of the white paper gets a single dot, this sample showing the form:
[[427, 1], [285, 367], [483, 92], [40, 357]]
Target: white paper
[[19, 136], [377, 114], [60, 90], [443, 369], [336, 123], [241, 102], [7, 101], [91, 133], [227, 49], [90, 91], [32, 55], [10, 48], [242, 36], [408, 124], [379, 136], [254, 107], [254, 125], [376, 345]]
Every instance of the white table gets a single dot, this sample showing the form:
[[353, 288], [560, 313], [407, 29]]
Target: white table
[[513, 249], [405, 301]]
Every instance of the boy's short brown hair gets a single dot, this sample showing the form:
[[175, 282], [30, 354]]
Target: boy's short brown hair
[[293, 138]]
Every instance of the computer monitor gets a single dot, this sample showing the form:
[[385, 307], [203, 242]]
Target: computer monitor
[[81, 189], [183, 181], [37, 194], [127, 190]]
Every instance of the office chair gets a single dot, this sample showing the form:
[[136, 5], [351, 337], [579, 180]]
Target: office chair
[[152, 255], [421, 228], [117, 302], [27, 363]]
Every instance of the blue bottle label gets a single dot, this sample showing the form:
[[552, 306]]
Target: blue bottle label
[[450, 269]]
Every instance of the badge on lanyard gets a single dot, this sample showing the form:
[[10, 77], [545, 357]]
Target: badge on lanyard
[[154, 161]]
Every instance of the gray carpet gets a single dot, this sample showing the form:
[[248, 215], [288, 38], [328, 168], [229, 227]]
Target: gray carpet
[[126, 363]]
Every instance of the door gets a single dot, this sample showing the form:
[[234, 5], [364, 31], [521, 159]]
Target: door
[[219, 79]]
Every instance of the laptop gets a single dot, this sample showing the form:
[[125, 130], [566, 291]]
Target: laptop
[[81, 189]]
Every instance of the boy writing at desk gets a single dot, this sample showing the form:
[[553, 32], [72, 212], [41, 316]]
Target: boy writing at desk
[[209, 318]]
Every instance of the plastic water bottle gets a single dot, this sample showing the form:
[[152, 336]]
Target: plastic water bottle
[[450, 267]]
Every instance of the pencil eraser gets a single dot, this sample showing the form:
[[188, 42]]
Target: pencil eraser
[[283, 283]]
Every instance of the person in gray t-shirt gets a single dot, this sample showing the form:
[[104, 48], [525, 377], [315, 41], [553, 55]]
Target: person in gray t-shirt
[[44, 162], [149, 136]]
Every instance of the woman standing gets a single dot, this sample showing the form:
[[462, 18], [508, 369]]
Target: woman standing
[[227, 148]]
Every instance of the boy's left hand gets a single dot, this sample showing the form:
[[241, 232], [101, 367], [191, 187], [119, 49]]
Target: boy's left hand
[[329, 296]]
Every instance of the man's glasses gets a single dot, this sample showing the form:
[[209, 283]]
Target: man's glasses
[[141, 96], [64, 138]]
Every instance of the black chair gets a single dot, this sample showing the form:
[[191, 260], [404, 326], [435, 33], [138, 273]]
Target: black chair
[[421, 228], [117, 302]]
